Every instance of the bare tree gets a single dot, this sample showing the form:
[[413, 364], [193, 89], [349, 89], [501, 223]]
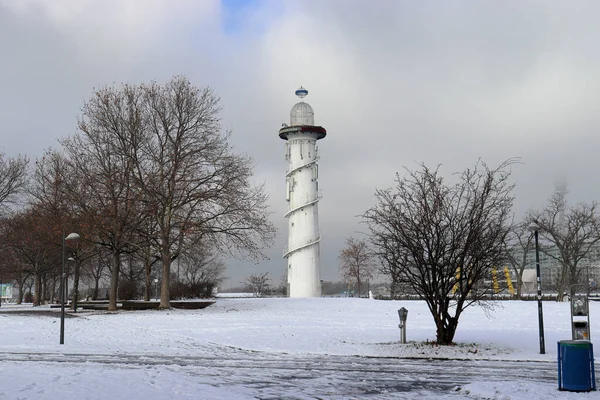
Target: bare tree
[[258, 284], [12, 269], [94, 271], [13, 172], [572, 231], [148, 253], [152, 172], [283, 283], [193, 182], [83, 253], [47, 199], [49, 194], [100, 172], [519, 244], [200, 270], [356, 262], [444, 239], [131, 277], [33, 243]]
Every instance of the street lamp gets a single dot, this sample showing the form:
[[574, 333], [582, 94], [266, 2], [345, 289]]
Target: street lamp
[[534, 227], [156, 288], [71, 236]]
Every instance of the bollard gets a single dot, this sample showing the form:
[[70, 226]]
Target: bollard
[[402, 313]]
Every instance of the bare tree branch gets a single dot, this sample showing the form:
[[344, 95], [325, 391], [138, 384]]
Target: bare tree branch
[[13, 172]]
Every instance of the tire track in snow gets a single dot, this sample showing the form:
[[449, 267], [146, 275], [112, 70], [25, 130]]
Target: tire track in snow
[[273, 374]]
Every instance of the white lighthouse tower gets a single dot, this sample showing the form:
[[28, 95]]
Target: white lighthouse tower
[[302, 194]]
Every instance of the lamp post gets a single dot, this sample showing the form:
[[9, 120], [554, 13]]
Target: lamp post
[[71, 236], [534, 227]]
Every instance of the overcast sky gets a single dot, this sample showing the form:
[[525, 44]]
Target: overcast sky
[[393, 82]]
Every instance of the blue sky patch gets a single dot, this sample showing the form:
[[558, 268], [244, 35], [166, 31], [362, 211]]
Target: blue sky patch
[[250, 16], [234, 13]]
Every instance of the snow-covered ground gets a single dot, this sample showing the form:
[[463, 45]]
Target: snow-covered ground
[[175, 353]]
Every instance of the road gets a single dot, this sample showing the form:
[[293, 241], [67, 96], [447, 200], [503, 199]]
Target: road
[[273, 376]]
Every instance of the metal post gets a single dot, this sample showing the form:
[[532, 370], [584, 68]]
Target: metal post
[[539, 292], [63, 284], [403, 314], [62, 294], [403, 333]]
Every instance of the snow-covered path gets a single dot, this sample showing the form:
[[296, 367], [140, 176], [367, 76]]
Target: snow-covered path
[[282, 349], [244, 374]]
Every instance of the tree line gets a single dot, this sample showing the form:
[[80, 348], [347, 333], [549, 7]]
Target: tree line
[[148, 179]]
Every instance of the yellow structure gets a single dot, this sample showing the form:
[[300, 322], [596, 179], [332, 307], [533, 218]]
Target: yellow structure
[[511, 290], [455, 288], [495, 280]]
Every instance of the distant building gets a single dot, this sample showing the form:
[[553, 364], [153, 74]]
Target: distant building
[[6, 291], [550, 268]]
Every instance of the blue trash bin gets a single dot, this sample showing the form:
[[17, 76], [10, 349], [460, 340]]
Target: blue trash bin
[[576, 366]]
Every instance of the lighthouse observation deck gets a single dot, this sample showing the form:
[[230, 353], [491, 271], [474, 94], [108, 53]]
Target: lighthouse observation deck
[[318, 131]]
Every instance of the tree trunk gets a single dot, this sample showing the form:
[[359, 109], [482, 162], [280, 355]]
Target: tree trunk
[[47, 288], [21, 284], [563, 283], [38, 290], [519, 285], [75, 285], [561, 287], [53, 290], [445, 330], [165, 295], [358, 284], [114, 280], [97, 281], [66, 287], [43, 290], [148, 287], [574, 275], [96, 287]]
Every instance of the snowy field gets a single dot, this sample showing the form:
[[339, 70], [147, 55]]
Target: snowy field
[[226, 350]]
